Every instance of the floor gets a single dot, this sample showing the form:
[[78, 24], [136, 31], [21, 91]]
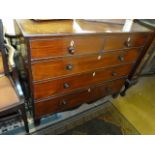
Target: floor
[[134, 113], [138, 106], [97, 126]]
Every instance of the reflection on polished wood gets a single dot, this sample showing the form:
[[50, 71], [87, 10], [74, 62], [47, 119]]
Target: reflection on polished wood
[[31, 27]]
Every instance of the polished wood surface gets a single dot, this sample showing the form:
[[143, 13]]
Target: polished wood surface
[[55, 68], [68, 84], [31, 28], [62, 103], [67, 59]]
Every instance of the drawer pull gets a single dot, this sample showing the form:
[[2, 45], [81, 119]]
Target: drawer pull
[[114, 74], [66, 85], [121, 58], [69, 67], [71, 50], [63, 102]]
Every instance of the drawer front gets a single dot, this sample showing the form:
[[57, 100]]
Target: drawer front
[[70, 101], [68, 66], [67, 84], [124, 41], [66, 46]]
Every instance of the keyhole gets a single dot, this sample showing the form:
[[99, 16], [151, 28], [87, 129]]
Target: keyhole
[[99, 57], [94, 74], [129, 39], [89, 90], [72, 43]]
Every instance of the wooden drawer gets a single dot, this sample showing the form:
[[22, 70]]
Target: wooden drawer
[[124, 41], [65, 102], [71, 65], [67, 84], [60, 47]]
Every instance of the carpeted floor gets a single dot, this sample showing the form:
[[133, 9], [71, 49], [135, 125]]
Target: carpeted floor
[[95, 127]]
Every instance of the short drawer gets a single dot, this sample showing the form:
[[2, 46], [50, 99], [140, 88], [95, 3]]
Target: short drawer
[[42, 70], [67, 84], [59, 47], [65, 102], [124, 41]]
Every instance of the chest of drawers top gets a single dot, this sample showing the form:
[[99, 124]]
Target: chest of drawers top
[[55, 39], [31, 28]]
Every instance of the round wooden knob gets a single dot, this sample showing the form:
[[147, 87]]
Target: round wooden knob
[[121, 58], [114, 74], [71, 50], [66, 85], [63, 102], [69, 67]]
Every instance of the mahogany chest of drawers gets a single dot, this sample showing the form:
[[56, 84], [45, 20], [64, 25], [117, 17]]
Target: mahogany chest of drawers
[[72, 62]]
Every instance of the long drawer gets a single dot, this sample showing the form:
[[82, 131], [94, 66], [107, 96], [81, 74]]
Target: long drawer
[[42, 70], [59, 47], [72, 100], [67, 84]]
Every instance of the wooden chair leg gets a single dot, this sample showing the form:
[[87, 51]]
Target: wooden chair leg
[[24, 117]]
